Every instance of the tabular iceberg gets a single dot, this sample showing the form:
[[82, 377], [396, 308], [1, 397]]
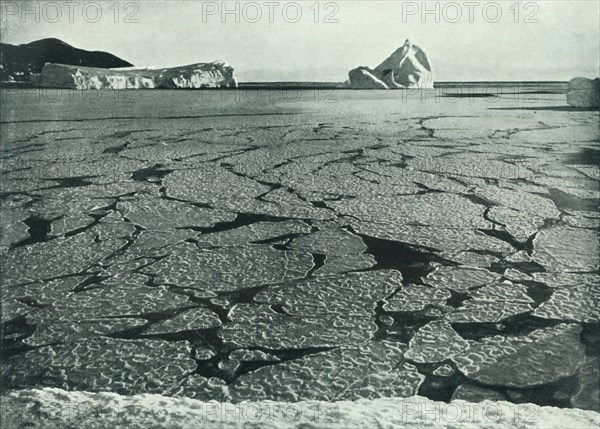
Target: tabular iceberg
[[408, 67], [194, 76]]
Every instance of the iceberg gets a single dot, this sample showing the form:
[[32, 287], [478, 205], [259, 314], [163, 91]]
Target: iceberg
[[195, 76], [407, 67], [584, 93]]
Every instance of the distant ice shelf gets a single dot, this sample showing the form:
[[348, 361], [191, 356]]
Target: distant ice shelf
[[195, 76]]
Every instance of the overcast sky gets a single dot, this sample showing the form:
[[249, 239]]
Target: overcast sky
[[506, 40]]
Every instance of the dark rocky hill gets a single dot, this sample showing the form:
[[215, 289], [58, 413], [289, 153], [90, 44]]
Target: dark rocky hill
[[18, 62]]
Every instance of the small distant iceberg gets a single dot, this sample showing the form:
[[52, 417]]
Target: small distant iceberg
[[408, 67], [584, 93], [194, 76]]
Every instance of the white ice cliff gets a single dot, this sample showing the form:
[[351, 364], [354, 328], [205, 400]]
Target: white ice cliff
[[194, 76], [407, 67]]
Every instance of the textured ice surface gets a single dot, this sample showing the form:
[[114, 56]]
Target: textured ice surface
[[189, 320], [430, 209], [588, 395], [492, 303], [543, 356], [198, 186], [50, 332], [560, 280], [474, 393], [104, 364], [199, 387], [212, 247], [465, 165], [334, 242], [416, 297], [228, 269], [369, 371], [13, 228], [351, 293], [46, 260], [11, 308], [344, 252], [447, 240], [321, 312], [435, 342], [518, 224], [129, 298], [460, 279], [578, 303], [165, 215], [253, 233], [567, 249], [261, 326], [526, 202]]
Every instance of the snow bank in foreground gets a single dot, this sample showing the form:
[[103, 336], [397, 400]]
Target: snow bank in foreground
[[57, 408], [203, 75]]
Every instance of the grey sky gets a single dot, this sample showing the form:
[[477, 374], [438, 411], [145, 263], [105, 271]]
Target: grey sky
[[545, 40]]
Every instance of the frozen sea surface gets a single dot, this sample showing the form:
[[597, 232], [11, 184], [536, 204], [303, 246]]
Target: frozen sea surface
[[294, 245]]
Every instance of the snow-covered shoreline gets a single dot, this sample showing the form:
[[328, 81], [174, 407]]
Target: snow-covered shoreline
[[56, 408]]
